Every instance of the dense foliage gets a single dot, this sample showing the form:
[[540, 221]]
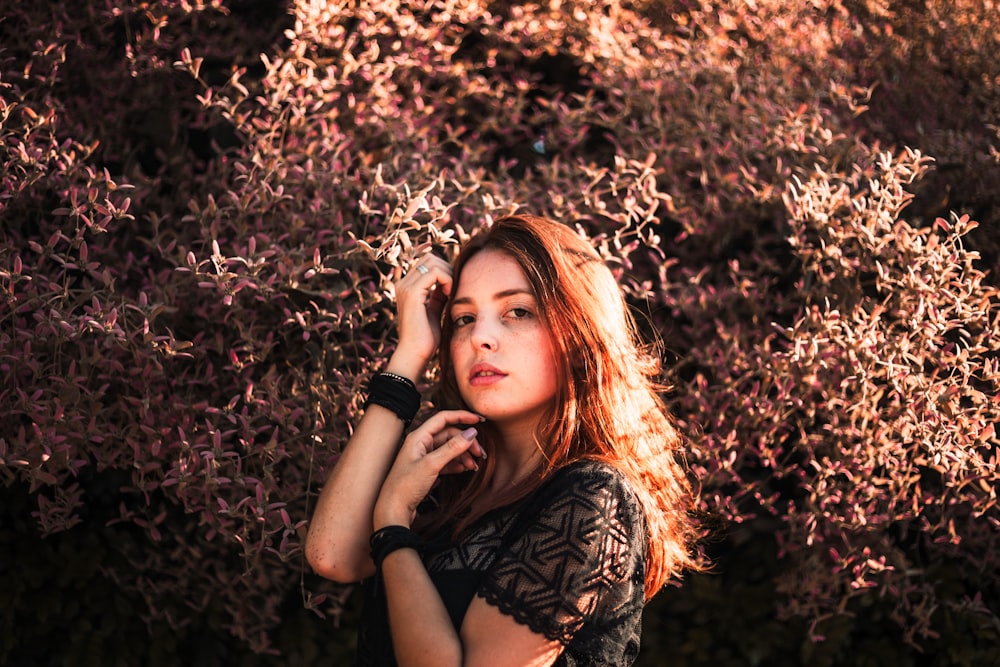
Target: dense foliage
[[203, 205]]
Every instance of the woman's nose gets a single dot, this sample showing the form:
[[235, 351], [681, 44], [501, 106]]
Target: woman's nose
[[483, 335]]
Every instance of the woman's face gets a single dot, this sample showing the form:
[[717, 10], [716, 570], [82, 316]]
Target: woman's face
[[501, 351]]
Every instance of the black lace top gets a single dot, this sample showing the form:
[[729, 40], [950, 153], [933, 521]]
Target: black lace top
[[568, 561]]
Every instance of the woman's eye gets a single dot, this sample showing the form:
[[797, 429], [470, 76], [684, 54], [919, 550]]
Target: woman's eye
[[520, 313], [462, 320]]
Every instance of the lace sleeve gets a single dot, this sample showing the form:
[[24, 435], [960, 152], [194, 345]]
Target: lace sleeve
[[576, 558]]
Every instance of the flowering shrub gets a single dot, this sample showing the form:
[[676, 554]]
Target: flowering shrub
[[203, 207]]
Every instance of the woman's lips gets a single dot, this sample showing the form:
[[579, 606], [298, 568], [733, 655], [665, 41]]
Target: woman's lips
[[483, 376]]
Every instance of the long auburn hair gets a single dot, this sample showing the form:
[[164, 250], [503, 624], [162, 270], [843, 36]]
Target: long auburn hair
[[607, 406]]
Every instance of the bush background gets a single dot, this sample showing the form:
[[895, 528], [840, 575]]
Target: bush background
[[202, 205]]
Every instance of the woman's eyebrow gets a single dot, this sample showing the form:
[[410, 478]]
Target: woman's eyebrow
[[503, 294]]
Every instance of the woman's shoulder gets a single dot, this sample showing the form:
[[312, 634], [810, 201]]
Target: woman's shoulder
[[590, 471], [585, 478]]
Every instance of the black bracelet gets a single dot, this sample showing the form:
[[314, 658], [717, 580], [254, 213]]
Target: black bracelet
[[399, 378], [392, 538], [395, 393]]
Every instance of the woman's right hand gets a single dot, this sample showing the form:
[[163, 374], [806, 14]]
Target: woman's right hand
[[420, 299], [444, 444]]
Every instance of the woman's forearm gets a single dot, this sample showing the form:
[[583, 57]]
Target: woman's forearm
[[422, 631], [337, 542]]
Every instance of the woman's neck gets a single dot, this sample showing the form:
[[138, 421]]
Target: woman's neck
[[517, 457]]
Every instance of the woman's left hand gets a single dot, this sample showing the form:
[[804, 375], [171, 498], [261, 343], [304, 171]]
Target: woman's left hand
[[445, 443]]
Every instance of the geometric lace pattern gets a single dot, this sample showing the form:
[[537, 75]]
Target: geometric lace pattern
[[568, 562]]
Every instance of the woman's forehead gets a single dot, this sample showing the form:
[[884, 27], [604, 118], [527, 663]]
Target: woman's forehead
[[491, 274]]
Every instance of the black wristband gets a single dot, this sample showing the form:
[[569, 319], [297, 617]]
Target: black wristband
[[395, 393], [392, 538]]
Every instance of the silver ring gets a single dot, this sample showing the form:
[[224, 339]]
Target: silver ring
[[422, 269]]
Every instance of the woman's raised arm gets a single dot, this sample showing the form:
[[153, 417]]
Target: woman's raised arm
[[337, 543]]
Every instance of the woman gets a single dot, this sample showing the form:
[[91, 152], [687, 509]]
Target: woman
[[527, 523]]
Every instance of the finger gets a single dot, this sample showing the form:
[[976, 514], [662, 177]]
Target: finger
[[468, 461], [453, 450], [439, 429], [476, 450], [436, 300], [432, 275], [426, 265], [433, 261], [444, 419], [444, 436], [457, 468], [463, 464]]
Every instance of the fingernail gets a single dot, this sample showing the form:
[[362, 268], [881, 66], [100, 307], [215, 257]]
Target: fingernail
[[469, 433]]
